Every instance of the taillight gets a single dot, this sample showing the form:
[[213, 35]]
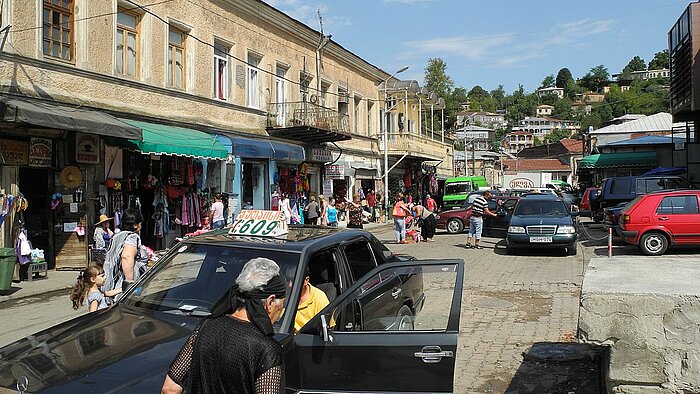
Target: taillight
[[625, 218]]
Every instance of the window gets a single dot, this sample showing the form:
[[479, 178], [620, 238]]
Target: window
[[304, 83], [649, 185], [126, 61], [176, 58], [281, 92], [360, 258], [370, 105], [677, 183], [324, 93], [221, 71], [58, 29], [621, 186], [357, 103], [253, 81], [678, 205]]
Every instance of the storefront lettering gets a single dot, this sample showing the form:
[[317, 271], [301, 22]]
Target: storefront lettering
[[87, 148], [261, 223], [521, 183], [40, 152], [14, 152], [320, 154], [335, 171]]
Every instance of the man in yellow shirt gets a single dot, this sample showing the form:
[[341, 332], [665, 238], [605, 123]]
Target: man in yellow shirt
[[311, 301]]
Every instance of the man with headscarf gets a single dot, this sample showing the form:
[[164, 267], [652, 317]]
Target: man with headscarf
[[234, 351]]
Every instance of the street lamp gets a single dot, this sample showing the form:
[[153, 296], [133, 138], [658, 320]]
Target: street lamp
[[386, 145]]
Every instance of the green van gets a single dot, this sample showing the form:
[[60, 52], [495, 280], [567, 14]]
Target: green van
[[456, 190]]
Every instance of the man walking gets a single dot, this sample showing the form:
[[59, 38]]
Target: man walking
[[480, 207]]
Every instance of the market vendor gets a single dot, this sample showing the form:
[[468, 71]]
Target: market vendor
[[102, 233]]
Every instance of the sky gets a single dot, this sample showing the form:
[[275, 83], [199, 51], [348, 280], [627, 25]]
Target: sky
[[494, 42]]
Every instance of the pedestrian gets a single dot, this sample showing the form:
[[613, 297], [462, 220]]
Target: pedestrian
[[323, 208], [285, 208], [371, 203], [427, 221], [332, 213], [480, 207], [234, 351], [354, 212], [87, 288], [126, 259], [430, 203], [378, 207], [399, 214], [311, 211], [216, 213], [102, 233]]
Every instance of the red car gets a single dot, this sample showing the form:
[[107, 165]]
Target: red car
[[588, 202], [658, 220]]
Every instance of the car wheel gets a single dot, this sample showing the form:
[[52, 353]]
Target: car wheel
[[572, 249], [405, 319], [653, 243], [454, 226]]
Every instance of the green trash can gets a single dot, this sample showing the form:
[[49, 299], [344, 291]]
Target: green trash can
[[8, 258]]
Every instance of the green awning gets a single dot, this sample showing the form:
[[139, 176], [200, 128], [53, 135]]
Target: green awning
[[171, 140], [612, 160]]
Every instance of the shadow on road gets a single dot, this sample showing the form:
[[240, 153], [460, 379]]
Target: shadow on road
[[561, 367]]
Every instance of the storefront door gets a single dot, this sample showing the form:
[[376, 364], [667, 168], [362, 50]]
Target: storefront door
[[254, 184], [34, 185]]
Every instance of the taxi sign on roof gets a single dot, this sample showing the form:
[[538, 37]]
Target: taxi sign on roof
[[259, 223]]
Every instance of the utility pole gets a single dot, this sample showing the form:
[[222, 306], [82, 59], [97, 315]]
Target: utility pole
[[473, 158]]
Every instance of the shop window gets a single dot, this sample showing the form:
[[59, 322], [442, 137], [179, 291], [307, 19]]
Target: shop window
[[254, 185], [176, 58], [221, 71], [58, 29], [254, 80], [126, 59]]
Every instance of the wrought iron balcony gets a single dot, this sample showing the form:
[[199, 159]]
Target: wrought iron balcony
[[307, 122], [415, 145]]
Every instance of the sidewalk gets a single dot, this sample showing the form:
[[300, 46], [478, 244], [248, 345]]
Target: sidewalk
[[64, 280]]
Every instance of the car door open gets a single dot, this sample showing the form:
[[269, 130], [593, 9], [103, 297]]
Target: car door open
[[394, 330]]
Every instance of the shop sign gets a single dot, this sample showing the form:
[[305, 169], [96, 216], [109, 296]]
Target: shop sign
[[260, 223], [14, 153], [335, 171], [327, 187], [521, 183], [87, 148], [40, 150], [321, 154]]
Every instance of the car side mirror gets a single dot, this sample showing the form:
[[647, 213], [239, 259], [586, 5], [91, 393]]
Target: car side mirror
[[325, 330]]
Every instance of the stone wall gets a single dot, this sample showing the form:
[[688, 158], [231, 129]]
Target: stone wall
[[647, 310]]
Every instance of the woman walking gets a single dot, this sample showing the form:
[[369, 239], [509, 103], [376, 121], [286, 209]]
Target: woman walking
[[355, 210], [311, 210], [332, 213], [399, 213]]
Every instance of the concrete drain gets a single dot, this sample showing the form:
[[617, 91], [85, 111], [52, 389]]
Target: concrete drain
[[493, 303]]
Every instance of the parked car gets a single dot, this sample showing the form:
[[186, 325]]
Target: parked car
[[542, 220], [376, 301], [656, 221], [589, 202], [617, 190], [456, 221]]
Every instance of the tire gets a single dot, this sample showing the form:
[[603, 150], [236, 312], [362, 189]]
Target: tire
[[405, 319], [454, 226], [653, 243], [572, 249]]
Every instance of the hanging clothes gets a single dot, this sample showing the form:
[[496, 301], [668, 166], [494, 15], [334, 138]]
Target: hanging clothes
[[24, 248]]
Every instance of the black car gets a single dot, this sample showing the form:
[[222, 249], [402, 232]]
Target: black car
[[456, 221], [391, 325], [542, 220]]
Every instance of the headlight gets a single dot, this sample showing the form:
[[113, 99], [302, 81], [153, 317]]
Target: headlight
[[516, 229], [566, 230]]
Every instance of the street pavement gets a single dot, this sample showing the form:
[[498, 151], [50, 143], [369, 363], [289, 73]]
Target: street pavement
[[509, 304]]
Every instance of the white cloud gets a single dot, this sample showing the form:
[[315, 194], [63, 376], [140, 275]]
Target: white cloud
[[472, 48], [307, 13]]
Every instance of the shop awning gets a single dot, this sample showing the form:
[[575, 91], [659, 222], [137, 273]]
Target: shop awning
[[254, 148], [40, 113], [309, 135], [171, 140], [612, 160]]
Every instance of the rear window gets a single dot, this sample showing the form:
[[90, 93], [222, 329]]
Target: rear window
[[632, 203], [648, 185], [621, 186], [458, 188], [678, 183], [678, 205]]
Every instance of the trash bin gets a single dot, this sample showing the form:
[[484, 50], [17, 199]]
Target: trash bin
[[7, 267]]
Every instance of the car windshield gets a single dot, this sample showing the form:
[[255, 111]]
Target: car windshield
[[540, 207], [196, 276], [458, 188]]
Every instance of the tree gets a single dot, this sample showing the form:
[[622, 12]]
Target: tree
[[596, 78], [499, 94], [636, 64], [562, 109], [436, 78], [548, 82], [563, 78], [557, 134], [660, 60]]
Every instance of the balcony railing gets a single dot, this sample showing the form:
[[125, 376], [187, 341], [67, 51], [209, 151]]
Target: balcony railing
[[415, 145], [306, 114]]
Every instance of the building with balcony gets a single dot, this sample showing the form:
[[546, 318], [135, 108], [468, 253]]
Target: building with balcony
[[642, 75], [544, 110], [515, 141], [540, 127], [481, 137], [559, 92]]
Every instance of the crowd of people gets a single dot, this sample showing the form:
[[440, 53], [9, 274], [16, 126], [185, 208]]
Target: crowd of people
[[407, 214]]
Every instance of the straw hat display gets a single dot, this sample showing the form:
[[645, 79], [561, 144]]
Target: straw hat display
[[70, 177]]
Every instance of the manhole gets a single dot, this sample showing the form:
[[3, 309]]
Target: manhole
[[493, 303]]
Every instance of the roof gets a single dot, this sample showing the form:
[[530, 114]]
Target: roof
[[647, 140], [572, 145], [619, 160], [472, 128], [545, 106], [662, 121], [535, 165], [470, 113]]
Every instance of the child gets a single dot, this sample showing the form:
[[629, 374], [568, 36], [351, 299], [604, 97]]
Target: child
[[87, 287], [332, 213]]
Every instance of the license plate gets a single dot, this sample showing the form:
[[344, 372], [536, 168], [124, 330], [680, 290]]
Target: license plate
[[541, 239]]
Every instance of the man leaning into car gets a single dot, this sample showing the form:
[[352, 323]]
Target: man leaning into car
[[480, 207], [234, 351]]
